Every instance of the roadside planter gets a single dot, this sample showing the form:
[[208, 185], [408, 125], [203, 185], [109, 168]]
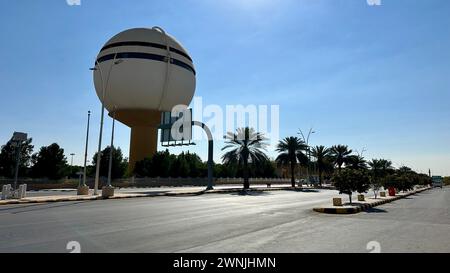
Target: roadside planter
[[391, 191], [83, 190], [383, 194], [361, 197], [107, 191], [337, 202]]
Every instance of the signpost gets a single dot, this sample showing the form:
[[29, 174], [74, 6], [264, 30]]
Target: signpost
[[17, 140], [176, 130]]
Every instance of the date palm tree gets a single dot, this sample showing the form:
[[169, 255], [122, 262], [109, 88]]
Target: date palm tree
[[386, 166], [356, 162], [340, 154], [376, 173], [380, 169], [375, 167], [247, 146], [291, 151], [321, 153]]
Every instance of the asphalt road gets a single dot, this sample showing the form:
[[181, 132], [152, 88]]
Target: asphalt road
[[262, 222]]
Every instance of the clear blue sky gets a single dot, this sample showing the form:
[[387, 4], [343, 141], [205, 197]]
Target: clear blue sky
[[373, 77]]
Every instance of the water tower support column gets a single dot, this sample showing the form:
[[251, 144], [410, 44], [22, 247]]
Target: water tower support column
[[143, 143], [144, 132]]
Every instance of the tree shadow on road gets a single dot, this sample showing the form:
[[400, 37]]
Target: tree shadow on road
[[307, 190], [40, 206], [302, 190], [250, 193], [375, 210], [146, 192]]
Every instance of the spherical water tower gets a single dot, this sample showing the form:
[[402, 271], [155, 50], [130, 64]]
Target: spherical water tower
[[140, 73]]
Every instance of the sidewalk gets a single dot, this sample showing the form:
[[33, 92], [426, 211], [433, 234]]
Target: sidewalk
[[369, 202], [66, 195]]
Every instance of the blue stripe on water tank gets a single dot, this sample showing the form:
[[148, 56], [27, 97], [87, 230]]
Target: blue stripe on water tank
[[146, 56], [145, 44]]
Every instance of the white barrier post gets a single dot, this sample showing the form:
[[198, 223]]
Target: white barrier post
[[19, 191], [22, 191], [6, 191]]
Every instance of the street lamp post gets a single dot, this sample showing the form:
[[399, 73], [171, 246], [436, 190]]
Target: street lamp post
[[104, 87], [108, 191], [309, 149], [83, 189]]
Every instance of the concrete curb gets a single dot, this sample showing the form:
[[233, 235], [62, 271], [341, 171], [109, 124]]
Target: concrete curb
[[139, 195], [367, 206]]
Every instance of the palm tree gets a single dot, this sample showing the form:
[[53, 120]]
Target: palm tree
[[291, 151], [375, 166], [404, 169], [340, 155], [380, 170], [247, 146], [381, 167], [376, 172], [321, 153], [356, 162], [386, 166]]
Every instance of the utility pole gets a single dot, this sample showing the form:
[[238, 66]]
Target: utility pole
[[306, 140], [83, 189], [111, 150], [86, 149], [104, 89]]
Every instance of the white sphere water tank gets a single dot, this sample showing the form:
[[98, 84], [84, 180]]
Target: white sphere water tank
[[138, 74], [144, 69]]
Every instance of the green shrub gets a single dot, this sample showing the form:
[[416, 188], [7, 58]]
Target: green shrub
[[351, 180], [447, 181]]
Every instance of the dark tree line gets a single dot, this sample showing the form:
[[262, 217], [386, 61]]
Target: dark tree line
[[119, 163], [244, 156], [164, 164], [8, 158], [381, 174], [51, 163]]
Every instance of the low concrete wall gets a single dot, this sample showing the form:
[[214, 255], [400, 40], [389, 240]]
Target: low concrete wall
[[40, 184], [178, 182]]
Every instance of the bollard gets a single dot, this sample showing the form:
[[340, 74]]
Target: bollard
[[22, 191], [19, 192], [6, 191]]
